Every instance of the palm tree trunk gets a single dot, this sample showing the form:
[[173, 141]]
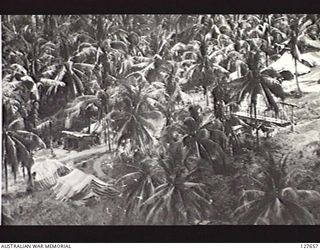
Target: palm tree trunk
[[251, 110], [140, 50], [30, 183], [23, 172], [168, 120], [4, 161], [296, 73], [66, 94], [214, 101], [267, 57], [205, 94], [5, 172], [256, 125], [176, 31], [108, 135], [168, 116], [292, 124], [175, 211], [89, 124], [198, 149], [50, 139], [105, 136], [109, 142], [107, 131]]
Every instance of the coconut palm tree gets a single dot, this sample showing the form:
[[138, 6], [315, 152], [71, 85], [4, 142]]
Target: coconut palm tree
[[204, 71], [107, 46], [269, 35], [18, 143], [181, 197], [90, 106], [149, 70], [47, 64], [158, 60], [274, 199], [69, 70], [172, 95], [294, 50], [85, 104], [133, 113], [231, 126], [298, 38], [142, 177], [202, 137], [30, 63], [258, 82], [218, 95]]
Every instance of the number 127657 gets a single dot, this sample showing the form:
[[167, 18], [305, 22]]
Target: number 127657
[[308, 245]]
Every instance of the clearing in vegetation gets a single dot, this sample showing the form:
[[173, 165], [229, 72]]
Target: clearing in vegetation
[[161, 119]]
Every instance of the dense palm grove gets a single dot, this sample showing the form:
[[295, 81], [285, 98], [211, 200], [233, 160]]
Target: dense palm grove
[[173, 161]]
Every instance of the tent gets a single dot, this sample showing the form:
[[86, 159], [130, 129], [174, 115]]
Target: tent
[[78, 185], [286, 63], [312, 58], [73, 185], [45, 172]]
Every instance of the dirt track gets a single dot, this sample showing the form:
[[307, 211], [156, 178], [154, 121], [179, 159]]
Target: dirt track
[[307, 128]]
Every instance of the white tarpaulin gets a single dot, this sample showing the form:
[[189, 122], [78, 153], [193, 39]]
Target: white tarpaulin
[[78, 185], [313, 58], [45, 172], [286, 63]]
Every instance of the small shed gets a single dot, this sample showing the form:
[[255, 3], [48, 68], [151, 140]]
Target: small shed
[[79, 140]]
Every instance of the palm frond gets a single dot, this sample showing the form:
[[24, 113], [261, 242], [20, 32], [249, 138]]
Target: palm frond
[[32, 137]]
